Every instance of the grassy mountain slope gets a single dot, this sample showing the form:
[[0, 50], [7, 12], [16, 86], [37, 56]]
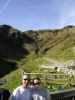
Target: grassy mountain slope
[[15, 44], [12, 43], [58, 44], [25, 48]]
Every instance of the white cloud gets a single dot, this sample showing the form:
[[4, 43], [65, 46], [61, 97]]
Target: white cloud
[[67, 14], [5, 5]]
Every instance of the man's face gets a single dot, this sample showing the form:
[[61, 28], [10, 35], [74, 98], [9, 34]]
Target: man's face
[[25, 82]]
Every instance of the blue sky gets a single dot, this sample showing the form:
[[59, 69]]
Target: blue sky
[[37, 14]]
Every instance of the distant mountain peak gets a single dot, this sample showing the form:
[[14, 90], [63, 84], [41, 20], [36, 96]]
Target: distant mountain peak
[[69, 26], [5, 26]]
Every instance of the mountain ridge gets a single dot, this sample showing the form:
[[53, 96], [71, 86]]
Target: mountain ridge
[[18, 43], [56, 44]]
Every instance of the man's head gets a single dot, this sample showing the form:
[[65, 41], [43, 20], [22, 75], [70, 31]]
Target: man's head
[[36, 81], [25, 80]]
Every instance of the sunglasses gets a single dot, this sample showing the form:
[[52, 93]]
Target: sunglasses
[[25, 79]]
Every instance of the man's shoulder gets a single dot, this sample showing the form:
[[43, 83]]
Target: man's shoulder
[[16, 90], [19, 87]]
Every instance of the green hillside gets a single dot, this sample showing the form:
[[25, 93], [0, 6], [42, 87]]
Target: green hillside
[[25, 50], [58, 44], [15, 44]]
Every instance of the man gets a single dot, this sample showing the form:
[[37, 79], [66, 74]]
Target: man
[[23, 92], [38, 92]]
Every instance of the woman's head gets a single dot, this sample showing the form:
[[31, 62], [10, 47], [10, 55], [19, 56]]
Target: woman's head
[[36, 81]]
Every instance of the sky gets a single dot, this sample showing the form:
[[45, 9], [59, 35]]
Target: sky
[[37, 14]]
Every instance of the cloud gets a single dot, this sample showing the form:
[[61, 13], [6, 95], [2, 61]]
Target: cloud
[[6, 4], [67, 13]]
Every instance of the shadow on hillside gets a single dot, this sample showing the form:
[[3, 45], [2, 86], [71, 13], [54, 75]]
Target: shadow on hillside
[[6, 67], [13, 46], [13, 42]]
